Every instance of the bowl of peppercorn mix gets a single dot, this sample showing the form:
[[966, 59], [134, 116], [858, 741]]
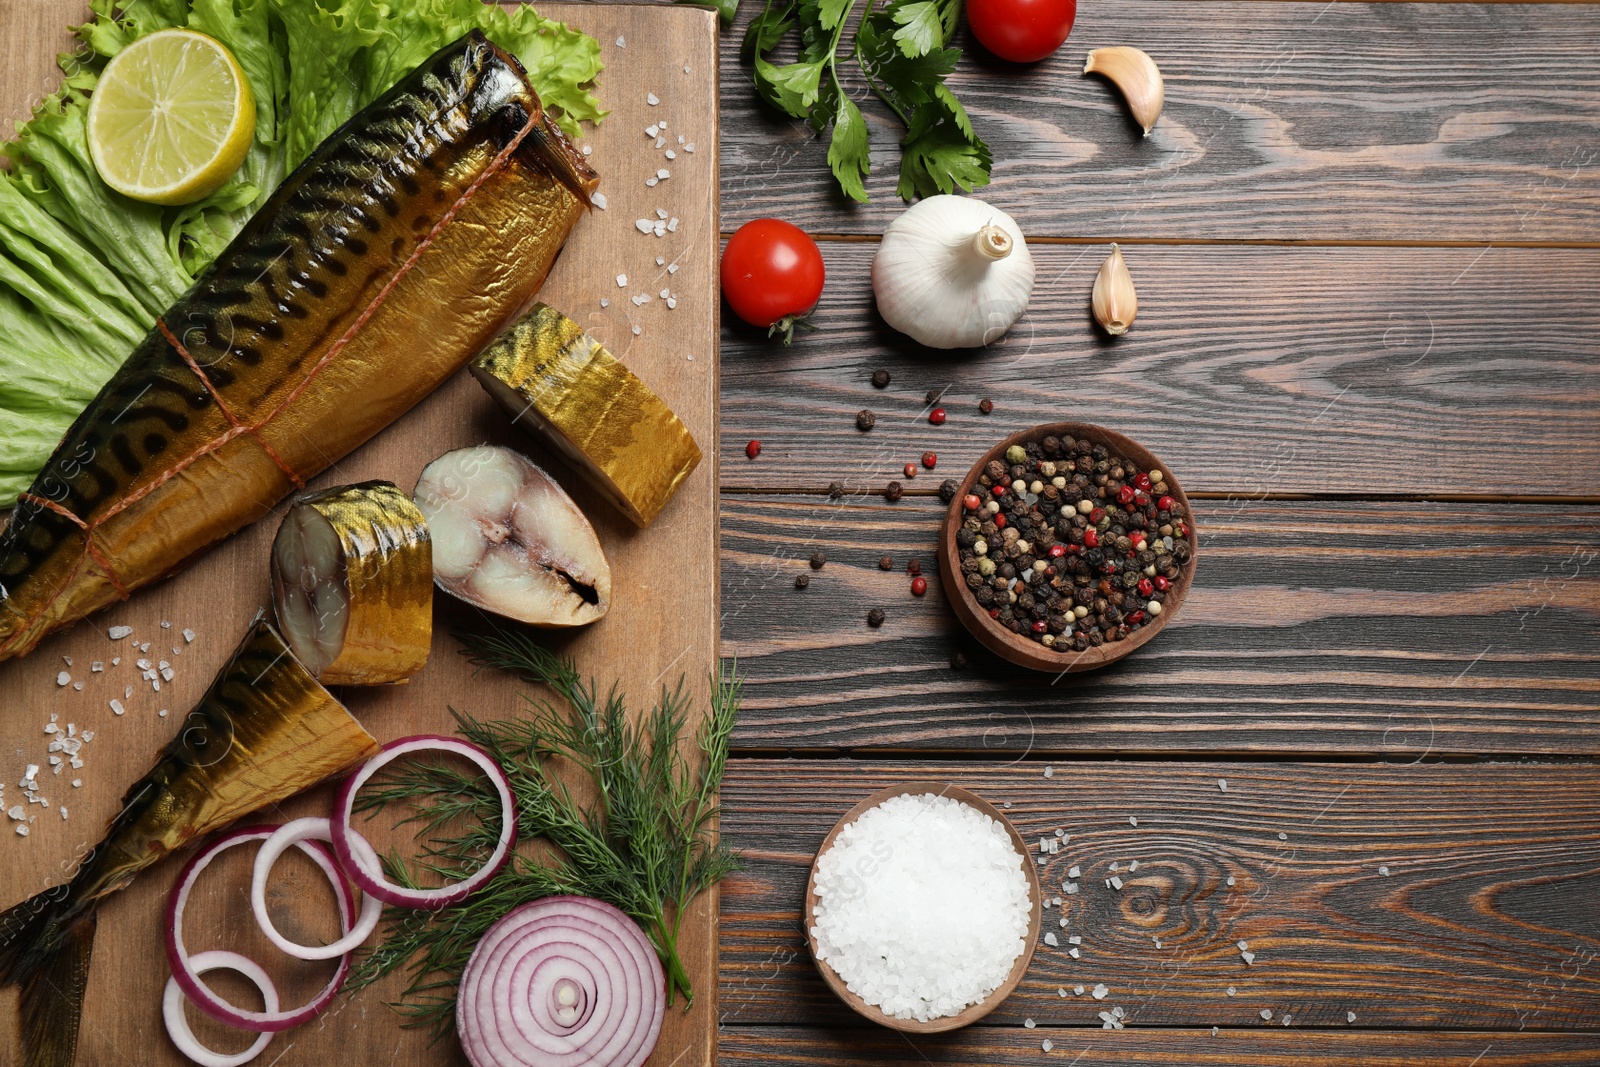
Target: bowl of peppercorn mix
[[1067, 547]]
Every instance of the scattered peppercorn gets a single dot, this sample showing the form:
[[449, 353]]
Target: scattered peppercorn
[[753, 449], [875, 618], [1067, 543], [932, 396], [919, 586], [930, 460], [936, 416], [802, 580], [958, 660], [948, 489], [894, 491], [865, 420], [914, 567], [911, 470], [886, 564], [835, 490], [817, 560], [880, 379], [986, 405]]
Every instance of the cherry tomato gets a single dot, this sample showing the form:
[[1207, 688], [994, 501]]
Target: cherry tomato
[[1023, 31], [772, 275]]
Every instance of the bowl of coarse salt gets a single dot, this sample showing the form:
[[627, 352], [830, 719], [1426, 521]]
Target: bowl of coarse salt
[[922, 910]]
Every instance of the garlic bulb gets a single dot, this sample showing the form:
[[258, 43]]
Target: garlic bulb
[[952, 272]]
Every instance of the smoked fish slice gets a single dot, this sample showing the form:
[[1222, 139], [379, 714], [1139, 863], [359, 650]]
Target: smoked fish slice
[[263, 732], [398, 249]]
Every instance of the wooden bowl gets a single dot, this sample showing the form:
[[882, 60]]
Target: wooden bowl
[[1024, 651], [972, 1013]]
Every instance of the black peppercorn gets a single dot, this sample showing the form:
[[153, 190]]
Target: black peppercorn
[[894, 491], [948, 490], [875, 618], [880, 379], [802, 580], [965, 538], [958, 660], [865, 420], [974, 581], [835, 490], [817, 560], [932, 396], [887, 564], [914, 568]]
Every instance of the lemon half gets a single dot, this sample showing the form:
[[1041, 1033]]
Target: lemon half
[[171, 118]]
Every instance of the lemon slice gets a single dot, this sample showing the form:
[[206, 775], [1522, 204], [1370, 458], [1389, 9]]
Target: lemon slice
[[171, 118]]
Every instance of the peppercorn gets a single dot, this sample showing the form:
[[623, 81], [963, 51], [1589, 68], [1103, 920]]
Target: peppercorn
[[948, 489], [817, 560], [958, 660], [875, 618], [880, 379], [986, 405], [893, 491], [936, 416], [930, 460], [865, 420], [932, 396], [914, 567], [753, 449], [835, 490], [887, 564], [802, 580], [919, 586], [910, 470]]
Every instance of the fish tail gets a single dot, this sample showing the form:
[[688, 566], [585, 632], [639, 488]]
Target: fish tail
[[45, 944], [552, 149]]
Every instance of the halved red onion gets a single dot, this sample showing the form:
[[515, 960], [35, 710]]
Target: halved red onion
[[294, 833], [183, 968], [362, 864], [561, 982], [178, 1024]]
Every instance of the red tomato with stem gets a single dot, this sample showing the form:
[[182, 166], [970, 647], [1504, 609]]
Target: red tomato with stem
[[772, 275], [1023, 31]]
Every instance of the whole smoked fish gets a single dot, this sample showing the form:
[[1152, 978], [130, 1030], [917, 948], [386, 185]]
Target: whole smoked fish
[[398, 249], [263, 732]]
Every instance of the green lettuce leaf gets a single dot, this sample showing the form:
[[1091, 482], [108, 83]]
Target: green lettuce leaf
[[85, 271]]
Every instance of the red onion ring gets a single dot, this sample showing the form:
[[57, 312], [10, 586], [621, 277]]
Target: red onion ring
[[561, 982], [364, 868], [293, 833], [178, 1024], [183, 970]]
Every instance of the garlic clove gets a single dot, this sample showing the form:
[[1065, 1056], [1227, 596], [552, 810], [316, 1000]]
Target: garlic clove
[[1136, 75], [1115, 302]]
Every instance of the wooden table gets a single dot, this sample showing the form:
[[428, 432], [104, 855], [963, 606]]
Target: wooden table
[[1366, 239]]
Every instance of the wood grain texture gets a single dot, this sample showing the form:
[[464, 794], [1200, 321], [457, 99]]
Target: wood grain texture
[[1268, 1046], [1249, 370], [1394, 631], [1484, 919], [654, 630], [1341, 122]]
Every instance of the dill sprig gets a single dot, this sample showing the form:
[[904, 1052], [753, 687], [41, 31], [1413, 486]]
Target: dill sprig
[[646, 845]]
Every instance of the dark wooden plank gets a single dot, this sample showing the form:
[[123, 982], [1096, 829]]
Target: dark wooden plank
[[1269, 1046], [1430, 896], [1338, 122], [1249, 370], [1395, 630]]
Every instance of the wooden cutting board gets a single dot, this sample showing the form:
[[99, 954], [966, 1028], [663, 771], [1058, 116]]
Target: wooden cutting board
[[663, 622]]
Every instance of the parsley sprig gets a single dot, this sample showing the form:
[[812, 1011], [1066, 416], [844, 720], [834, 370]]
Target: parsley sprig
[[646, 843], [902, 49]]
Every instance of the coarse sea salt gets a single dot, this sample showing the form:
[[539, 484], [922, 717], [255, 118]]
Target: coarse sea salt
[[922, 906]]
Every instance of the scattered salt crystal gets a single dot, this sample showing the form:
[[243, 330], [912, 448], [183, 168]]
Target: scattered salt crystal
[[652, 130], [1074, 872], [166, 673], [1249, 958], [622, 281], [652, 99], [77, 687], [604, 302], [1029, 1023], [1074, 940], [1049, 772], [96, 667], [652, 182], [1243, 945], [672, 268], [1384, 871], [117, 708], [63, 678], [588, 150], [1116, 883], [188, 634], [921, 907], [1287, 1019], [599, 200], [621, 43], [163, 713], [1061, 991], [1133, 820], [1050, 939], [127, 692], [1222, 784], [1046, 1045], [640, 300], [637, 331], [1266, 1013], [165, 625], [1349, 1016], [1214, 1031], [1115, 867], [1282, 836], [77, 783], [645, 226], [661, 261], [689, 147], [117, 633], [659, 142], [686, 70], [665, 294], [1100, 992], [1077, 990], [1232, 991], [63, 813], [1230, 879], [1071, 888], [116, 660], [671, 154], [680, 138], [1117, 1012], [663, 174], [22, 829], [1134, 866], [16, 812], [1073, 953], [142, 664], [67, 660], [50, 727], [672, 225], [145, 647]]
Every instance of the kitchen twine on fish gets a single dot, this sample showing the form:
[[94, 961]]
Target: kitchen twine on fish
[[238, 429]]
